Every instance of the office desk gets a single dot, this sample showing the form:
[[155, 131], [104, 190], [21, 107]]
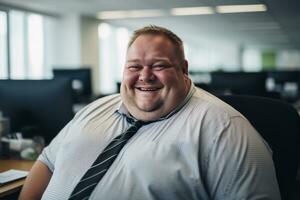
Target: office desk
[[14, 186]]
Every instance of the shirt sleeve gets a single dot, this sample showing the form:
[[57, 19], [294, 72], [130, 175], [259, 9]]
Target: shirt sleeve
[[240, 165]]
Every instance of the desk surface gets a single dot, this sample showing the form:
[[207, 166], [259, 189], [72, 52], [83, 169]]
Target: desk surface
[[15, 185]]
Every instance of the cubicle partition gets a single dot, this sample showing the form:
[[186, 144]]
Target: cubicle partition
[[279, 84]]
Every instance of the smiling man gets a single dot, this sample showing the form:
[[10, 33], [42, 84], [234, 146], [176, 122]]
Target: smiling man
[[161, 138], [155, 77]]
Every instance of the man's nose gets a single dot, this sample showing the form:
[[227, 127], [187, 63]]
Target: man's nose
[[146, 74]]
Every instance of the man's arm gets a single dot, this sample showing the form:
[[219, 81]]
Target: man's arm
[[36, 182], [240, 165]]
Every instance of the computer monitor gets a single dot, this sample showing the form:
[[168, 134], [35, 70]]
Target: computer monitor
[[247, 83], [37, 107], [285, 82], [81, 82], [284, 76]]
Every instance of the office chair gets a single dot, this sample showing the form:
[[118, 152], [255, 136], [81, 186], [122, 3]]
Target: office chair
[[279, 124]]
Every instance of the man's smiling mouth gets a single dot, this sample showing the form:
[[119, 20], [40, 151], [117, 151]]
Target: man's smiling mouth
[[147, 89]]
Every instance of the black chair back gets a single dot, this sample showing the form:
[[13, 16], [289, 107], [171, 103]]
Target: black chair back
[[279, 124]]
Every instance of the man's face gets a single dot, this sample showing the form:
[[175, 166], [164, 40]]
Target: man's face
[[155, 80]]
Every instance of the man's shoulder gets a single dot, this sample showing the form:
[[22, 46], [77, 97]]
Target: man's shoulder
[[211, 104], [108, 98], [108, 103]]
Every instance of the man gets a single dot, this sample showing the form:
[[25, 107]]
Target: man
[[191, 146]]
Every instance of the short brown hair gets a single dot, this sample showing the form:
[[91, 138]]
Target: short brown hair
[[157, 30]]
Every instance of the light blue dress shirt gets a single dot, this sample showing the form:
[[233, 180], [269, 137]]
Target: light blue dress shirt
[[202, 150]]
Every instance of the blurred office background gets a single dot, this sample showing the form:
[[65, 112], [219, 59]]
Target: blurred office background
[[233, 47], [251, 36]]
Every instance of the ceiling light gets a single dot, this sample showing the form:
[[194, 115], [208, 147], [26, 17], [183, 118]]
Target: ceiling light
[[192, 11], [241, 8], [120, 14]]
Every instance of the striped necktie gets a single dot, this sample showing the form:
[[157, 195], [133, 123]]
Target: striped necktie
[[100, 166]]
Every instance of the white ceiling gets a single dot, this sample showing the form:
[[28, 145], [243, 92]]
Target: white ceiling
[[279, 27]]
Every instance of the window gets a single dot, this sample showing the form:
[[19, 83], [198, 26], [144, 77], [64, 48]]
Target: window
[[26, 45], [3, 45], [113, 44], [17, 45], [252, 60], [26, 52], [36, 46]]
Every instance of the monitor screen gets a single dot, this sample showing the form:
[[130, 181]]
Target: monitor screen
[[81, 82], [248, 83], [37, 107]]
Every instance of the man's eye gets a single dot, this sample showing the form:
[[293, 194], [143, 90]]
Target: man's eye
[[133, 67], [159, 67]]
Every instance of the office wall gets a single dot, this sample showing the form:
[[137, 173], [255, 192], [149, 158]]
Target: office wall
[[75, 42], [90, 48], [211, 57], [72, 41]]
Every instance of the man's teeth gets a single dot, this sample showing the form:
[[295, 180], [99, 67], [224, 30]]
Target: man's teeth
[[148, 89]]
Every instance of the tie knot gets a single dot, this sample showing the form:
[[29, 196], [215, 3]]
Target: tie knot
[[137, 123]]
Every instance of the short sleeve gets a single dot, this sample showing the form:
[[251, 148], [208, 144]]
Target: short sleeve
[[240, 164]]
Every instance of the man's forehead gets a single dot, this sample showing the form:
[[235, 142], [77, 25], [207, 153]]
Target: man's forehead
[[151, 47], [157, 38], [155, 43]]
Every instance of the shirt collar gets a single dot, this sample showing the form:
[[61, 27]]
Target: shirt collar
[[124, 111]]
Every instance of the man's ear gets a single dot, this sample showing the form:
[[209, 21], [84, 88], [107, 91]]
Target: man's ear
[[185, 67]]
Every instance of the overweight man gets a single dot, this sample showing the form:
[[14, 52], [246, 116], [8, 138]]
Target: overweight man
[[160, 138]]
